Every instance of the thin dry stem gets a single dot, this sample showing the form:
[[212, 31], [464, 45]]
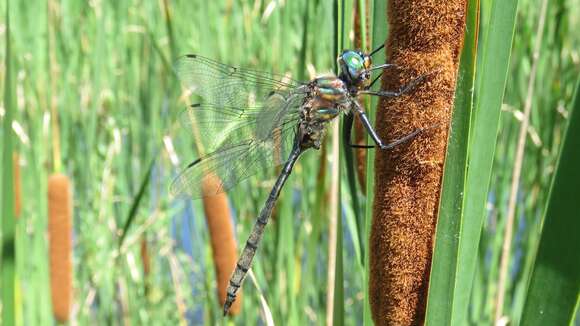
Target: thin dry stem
[[333, 220], [506, 248], [177, 278], [53, 11]]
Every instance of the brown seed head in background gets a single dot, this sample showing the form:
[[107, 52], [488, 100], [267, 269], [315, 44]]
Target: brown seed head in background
[[223, 242], [60, 245]]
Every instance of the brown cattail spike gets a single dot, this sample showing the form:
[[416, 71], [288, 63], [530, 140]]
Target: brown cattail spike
[[146, 260], [60, 245], [223, 242], [426, 39]]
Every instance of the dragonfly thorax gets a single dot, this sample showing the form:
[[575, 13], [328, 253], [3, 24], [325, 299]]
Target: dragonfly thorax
[[328, 98]]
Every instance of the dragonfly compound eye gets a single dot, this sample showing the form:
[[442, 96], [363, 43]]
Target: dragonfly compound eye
[[352, 64]]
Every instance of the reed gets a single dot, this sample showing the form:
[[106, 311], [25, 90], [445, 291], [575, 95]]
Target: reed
[[223, 242], [362, 42], [425, 40], [17, 185], [60, 212]]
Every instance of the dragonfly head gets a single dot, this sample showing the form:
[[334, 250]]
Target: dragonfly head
[[354, 67]]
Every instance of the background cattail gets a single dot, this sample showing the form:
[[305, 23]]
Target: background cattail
[[146, 261], [425, 40], [60, 245], [223, 242]]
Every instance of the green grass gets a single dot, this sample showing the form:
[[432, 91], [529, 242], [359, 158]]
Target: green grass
[[8, 273], [105, 68]]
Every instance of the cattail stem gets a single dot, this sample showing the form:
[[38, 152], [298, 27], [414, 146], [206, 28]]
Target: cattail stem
[[425, 40], [361, 42], [223, 242], [60, 245]]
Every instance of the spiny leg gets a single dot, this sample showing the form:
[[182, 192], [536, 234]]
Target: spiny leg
[[245, 261], [377, 49], [374, 81], [366, 123], [404, 89], [347, 129]]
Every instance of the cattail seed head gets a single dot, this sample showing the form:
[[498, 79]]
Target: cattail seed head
[[146, 261], [223, 242], [60, 244], [425, 39]]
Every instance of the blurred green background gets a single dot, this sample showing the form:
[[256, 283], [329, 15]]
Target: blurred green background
[[105, 67]]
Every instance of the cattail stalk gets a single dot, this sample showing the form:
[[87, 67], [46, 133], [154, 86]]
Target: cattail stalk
[[426, 38], [60, 245], [360, 134], [223, 242]]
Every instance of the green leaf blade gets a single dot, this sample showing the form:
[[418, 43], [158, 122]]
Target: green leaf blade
[[442, 287], [554, 288]]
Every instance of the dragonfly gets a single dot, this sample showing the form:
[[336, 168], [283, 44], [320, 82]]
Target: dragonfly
[[250, 120]]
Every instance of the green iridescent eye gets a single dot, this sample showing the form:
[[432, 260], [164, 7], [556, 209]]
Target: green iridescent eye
[[354, 60]]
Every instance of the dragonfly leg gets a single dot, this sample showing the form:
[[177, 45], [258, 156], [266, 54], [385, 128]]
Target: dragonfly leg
[[369, 86], [245, 261], [404, 89], [377, 49], [379, 143], [348, 124]]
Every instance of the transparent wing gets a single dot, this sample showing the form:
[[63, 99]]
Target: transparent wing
[[228, 86], [236, 162], [216, 125], [246, 121]]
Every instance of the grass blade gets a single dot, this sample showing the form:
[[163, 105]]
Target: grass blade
[[442, 289], [136, 202], [491, 79], [379, 36], [555, 282], [8, 258]]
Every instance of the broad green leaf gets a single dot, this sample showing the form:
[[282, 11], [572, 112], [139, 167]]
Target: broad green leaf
[[491, 80], [554, 288], [379, 35], [442, 284], [8, 235]]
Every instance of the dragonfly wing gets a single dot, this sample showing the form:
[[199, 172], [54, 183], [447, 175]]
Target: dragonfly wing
[[234, 163], [228, 86], [246, 121], [216, 125]]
